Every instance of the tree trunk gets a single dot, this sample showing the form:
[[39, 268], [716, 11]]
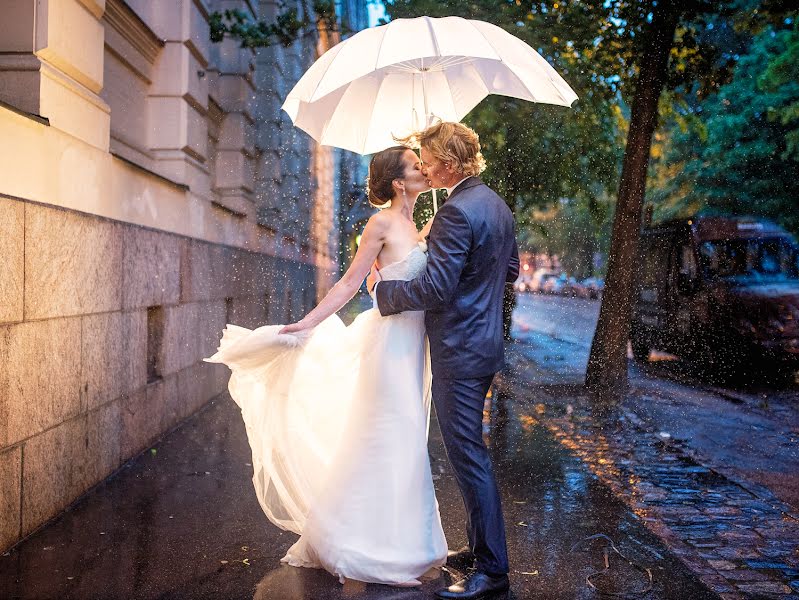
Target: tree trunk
[[606, 375], [508, 306]]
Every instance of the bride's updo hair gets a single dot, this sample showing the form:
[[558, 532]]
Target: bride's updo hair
[[385, 166]]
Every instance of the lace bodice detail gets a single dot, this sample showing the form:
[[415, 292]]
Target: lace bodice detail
[[409, 267]]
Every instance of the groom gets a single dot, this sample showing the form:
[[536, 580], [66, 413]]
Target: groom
[[472, 253]]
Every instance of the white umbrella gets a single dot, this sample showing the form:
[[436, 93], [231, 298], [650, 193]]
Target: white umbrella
[[393, 80]]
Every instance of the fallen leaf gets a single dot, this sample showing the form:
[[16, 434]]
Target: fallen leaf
[[224, 562]]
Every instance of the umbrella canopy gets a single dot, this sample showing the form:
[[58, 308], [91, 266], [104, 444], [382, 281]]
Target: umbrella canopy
[[392, 80]]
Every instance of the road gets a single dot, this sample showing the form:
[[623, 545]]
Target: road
[[747, 427]]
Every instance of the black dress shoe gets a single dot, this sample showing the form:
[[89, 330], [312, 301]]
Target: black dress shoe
[[476, 585], [461, 560]]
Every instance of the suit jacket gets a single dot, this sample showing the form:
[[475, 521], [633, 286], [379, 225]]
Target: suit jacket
[[472, 253]]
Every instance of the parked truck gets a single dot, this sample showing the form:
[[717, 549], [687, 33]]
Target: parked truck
[[724, 290]]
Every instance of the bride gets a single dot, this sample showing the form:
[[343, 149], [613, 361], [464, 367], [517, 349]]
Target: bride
[[337, 417]]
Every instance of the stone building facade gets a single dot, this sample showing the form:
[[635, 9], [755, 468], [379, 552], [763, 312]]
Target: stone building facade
[[150, 191]]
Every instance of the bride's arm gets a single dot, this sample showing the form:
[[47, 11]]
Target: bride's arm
[[372, 241]]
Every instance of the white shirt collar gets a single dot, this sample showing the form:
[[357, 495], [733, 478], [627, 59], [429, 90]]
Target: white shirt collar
[[451, 189]]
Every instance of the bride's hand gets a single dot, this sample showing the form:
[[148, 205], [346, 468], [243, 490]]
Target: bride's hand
[[295, 328]]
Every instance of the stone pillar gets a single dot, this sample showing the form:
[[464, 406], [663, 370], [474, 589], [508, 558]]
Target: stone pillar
[[285, 167], [51, 64], [234, 90], [131, 51], [19, 65], [268, 172], [178, 97]]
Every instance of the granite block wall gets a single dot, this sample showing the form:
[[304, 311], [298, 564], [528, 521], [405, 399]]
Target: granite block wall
[[103, 328]]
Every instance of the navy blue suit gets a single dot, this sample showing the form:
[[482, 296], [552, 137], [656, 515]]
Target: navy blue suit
[[472, 253]]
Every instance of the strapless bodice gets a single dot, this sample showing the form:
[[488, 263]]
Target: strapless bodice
[[409, 267]]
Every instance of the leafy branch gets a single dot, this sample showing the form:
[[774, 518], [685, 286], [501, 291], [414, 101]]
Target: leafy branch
[[286, 29]]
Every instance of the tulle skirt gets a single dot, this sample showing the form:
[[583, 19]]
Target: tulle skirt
[[337, 422]]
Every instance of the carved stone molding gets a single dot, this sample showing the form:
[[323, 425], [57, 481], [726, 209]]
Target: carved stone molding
[[135, 31], [96, 7]]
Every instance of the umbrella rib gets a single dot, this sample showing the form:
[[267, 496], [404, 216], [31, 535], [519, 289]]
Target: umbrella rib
[[322, 78], [432, 35], [330, 120], [380, 48], [524, 86], [549, 76], [490, 45], [371, 116]]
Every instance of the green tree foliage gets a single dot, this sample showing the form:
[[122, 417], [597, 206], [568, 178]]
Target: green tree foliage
[[575, 230], [287, 27], [781, 77], [738, 151]]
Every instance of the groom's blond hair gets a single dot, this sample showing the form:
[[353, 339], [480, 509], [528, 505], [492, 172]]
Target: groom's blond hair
[[453, 143]]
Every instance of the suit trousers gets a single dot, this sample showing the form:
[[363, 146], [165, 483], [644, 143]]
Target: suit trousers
[[459, 408]]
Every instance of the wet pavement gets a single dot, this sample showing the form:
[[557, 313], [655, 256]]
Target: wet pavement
[[745, 426], [182, 521], [711, 469]]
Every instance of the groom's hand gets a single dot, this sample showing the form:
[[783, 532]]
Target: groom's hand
[[372, 279]]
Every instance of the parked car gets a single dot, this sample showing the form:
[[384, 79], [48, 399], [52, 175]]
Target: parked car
[[572, 288], [592, 288], [556, 285], [551, 285], [720, 289], [539, 278]]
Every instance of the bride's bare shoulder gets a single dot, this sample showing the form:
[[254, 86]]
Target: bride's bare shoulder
[[377, 226], [381, 217], [380, 221]]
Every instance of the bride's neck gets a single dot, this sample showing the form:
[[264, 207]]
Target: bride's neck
[[405, 208]]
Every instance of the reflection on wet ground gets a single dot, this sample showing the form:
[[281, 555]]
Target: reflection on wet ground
[[553, 504], [742, 423], [181, 521]]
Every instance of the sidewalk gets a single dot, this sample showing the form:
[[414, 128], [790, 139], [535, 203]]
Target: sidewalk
[[669, 459], [181, 521]]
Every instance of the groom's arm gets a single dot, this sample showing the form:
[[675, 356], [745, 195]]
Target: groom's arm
[[513, 264], [447, 250]]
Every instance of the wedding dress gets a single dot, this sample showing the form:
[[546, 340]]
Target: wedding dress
[[337, 422]]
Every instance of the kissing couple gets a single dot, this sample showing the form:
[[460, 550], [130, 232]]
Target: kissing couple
[[337, 416]]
